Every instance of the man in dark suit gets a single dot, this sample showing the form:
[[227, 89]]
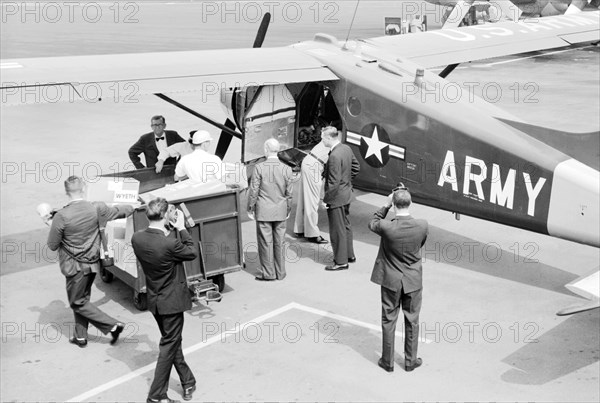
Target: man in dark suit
[[341, 168], [399, 272], [161, 254], [270, 203], [75, 232], [151, 144]]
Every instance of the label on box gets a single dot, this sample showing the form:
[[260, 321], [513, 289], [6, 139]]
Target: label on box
[[114, 186], [125, 196]]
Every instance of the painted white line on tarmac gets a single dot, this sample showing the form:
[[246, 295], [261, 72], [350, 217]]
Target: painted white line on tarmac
[[219, 337], [352, 321], [10, 65], [115, 382]]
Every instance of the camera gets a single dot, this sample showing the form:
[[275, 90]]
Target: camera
[[171, 217]]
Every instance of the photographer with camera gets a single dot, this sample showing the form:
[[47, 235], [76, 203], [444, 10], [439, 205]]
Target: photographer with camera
[[399, 272], [161, 254], [75, 232]]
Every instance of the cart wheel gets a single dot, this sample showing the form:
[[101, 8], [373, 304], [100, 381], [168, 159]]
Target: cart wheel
[[219, 280], [106, 276], [140, 300]]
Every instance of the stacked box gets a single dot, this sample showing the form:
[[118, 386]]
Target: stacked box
[[113, 190]]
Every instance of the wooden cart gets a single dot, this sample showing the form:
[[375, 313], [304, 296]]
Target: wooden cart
[[216, 229]]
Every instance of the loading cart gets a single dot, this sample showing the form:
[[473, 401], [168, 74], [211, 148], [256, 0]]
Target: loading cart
[[213, 220]]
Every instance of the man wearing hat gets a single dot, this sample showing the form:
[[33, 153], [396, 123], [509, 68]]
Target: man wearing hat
[[200, 165], [176, 150]]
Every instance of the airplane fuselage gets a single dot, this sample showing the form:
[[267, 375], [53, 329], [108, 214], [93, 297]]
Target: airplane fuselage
[[450, 149]]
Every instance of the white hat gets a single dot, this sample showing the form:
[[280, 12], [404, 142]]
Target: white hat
[[200, 137]]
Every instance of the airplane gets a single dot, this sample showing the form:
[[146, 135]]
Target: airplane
[[455, 152], [458, 10]]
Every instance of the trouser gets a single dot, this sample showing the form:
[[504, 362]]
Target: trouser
[[340, 232], [79, 288], [391, 302], [270, 236], [170, 354]]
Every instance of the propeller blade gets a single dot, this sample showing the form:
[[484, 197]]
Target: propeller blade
[[225, 137], [262, 31], [224, 140]]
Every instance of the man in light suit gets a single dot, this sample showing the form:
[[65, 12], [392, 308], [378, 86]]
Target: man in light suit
[[161, 254], [270, 203], [399, 272], [151, 144], [75, 232], [342, 167]]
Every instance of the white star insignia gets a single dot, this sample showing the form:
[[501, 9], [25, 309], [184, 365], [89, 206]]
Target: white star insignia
[[375, 146]]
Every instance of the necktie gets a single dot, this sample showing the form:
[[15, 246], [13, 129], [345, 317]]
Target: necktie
[[160, 138]]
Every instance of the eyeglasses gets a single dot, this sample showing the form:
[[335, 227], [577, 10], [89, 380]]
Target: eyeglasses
[[400, 186], [156, 125]]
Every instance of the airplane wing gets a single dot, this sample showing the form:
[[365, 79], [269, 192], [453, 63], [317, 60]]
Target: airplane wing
[[450, 46], [37, 80], [587, 287]]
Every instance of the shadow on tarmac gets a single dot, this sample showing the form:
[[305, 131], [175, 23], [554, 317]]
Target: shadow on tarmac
[[556, 353], [28, 250]]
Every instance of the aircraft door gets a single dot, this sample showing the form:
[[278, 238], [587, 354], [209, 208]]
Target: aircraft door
[[271, 114]]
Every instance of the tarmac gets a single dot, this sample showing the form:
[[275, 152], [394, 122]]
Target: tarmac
[[489, 330]]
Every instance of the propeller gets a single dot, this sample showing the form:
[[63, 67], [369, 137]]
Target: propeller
[[225, 137]]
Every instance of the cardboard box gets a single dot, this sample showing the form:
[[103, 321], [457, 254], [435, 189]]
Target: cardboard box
[[113, 190]]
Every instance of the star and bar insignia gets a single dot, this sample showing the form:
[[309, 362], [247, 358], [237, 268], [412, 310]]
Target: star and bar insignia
[[375, 145]]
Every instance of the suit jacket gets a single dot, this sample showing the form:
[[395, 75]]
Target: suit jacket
[[341, 168], [75, 233], [398, 264], [161, 257], [146, 144], [270, 192]]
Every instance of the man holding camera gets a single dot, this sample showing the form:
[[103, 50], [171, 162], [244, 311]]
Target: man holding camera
[[399, 272], [75, 232], [161, 254]]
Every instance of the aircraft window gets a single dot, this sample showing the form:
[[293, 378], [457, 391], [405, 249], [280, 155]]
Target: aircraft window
[[354, 106]]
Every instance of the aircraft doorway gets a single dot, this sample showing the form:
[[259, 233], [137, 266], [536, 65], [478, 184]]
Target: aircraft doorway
[[316, 109], [294, 114]]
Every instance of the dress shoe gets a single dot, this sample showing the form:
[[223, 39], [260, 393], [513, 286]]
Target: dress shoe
[[299, 234], [336, 267], [317, 239], [163, 400], [409, 367], [81, 343], [388, 368], [351, 259], [260, 278], [116, 332], [187, 392]]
